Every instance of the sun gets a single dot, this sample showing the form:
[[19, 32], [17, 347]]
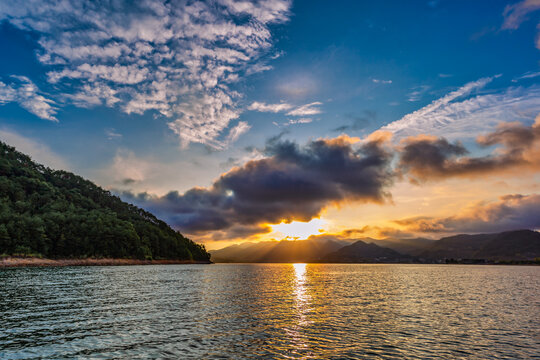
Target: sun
[[299, 229]]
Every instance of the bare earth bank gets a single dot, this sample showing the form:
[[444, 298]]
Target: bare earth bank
[[33, 261]]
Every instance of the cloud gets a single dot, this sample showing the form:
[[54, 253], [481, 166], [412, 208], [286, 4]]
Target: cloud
[[428, 157], [417, 93], [527, 75], [112, 134], [298, 121], [290, 183], [303, 110], [379, 81], [510, 212], [517, 13], [459, 115], [306, 110], [274, 108], [27, 95], [178, 58], [36, 150], [241, 128], [358, 122]]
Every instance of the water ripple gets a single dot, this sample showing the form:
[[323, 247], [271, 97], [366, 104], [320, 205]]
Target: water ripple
[[279, 311]]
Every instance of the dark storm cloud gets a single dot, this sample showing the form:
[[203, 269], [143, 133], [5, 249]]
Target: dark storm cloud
[[291, 183], [426, 157]]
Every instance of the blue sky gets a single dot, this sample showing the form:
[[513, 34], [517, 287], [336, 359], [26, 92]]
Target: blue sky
[[166, 96]]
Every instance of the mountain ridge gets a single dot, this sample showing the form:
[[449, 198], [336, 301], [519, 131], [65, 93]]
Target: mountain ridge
[[516, 245]]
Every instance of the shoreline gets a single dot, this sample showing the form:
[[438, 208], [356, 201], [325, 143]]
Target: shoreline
[[11, 262]]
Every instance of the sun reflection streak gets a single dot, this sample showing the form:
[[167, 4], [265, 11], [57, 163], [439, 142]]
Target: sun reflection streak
[[302, 298]]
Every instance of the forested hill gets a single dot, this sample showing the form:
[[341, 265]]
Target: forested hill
[[58, 214]]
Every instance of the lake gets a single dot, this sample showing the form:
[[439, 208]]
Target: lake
[[282, 311]]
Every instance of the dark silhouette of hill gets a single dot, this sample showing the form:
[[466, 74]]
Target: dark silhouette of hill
[[509, 245], [411, 246], [278, 251], [521, 245], [57, 214], [363, 252]]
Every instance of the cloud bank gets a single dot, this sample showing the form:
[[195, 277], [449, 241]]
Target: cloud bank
[[517, 146], [178, 58], [510, 212], [290, 183]]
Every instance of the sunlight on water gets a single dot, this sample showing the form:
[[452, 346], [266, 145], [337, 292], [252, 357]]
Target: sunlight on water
[[277, 311], [301, 305]]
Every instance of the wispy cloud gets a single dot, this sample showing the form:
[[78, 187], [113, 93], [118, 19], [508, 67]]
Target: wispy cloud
[[27, 95], [177, 58], [112, 134], [517, 13], [274, 108], [303, 110], [241, 128], [527, 75], [460, 115], [379, 81], [417, 93], [306, 110]]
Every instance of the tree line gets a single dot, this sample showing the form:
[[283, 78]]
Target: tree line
[[57, 214]]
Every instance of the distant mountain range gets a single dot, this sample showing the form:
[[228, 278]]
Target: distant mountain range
[[284, 251], [520, 245]]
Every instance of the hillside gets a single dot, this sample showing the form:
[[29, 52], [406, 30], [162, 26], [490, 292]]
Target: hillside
[[57, 214], [410, 246], [509, 245], [362, 252]]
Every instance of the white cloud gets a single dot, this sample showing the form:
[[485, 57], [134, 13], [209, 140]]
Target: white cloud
[[27, 95], [517, 13], [458, 115], [299, 121], [274, 108], [241, 128], [306, 110], [112, 134], [39, 152], [417, 93], [174, 57], [379, 81], [527, 75]]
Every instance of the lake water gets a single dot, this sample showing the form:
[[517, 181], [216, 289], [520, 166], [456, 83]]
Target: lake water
[[278, 311]]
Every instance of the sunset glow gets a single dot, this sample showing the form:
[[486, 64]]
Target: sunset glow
[[299, 229]]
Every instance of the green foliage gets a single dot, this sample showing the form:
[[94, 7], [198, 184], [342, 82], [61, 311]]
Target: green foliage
[[59, 214]]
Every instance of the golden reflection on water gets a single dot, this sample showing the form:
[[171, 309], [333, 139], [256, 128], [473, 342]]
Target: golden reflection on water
[[301, 295], [302, 303]]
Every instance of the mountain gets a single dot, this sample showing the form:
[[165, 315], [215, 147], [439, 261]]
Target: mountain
[[361, 252], [278, 251], [411, 246], [57, 214], [509, 245]]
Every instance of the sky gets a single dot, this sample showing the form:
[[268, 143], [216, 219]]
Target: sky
[[254, 120]]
